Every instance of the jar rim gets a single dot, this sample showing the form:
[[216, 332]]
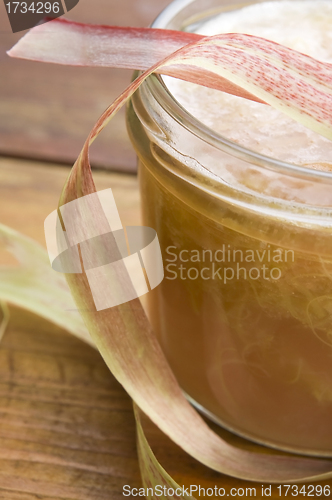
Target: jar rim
[[167, 101]]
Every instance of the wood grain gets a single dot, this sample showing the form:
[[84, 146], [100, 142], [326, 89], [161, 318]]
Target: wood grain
[[67, 429], [47, 111], [29, 192], [66, 426]]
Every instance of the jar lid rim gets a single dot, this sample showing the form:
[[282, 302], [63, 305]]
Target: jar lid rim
[[165, 98]]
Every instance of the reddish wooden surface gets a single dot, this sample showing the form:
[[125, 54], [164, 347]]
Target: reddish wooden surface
[[47, 111]]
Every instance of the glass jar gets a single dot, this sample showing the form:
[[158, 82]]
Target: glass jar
[[244, 314]]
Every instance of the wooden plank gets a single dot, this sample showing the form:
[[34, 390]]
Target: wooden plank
[[47, 111], [29, 192], [67, 429]]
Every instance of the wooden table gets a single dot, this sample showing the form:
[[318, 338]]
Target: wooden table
[[59, 404], [67, 428], [46, 112]]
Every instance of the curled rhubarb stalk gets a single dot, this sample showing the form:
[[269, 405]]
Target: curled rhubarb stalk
[[248, 66], [243, 65], [76, 44]]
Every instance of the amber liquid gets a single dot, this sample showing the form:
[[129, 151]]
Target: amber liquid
[[256, 353]]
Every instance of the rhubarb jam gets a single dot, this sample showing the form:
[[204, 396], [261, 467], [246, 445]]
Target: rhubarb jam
[[241, 199]]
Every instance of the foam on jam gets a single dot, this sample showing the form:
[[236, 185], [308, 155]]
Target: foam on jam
[[305, 25]]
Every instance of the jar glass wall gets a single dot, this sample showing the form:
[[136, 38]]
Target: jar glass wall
[[244, 314]]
